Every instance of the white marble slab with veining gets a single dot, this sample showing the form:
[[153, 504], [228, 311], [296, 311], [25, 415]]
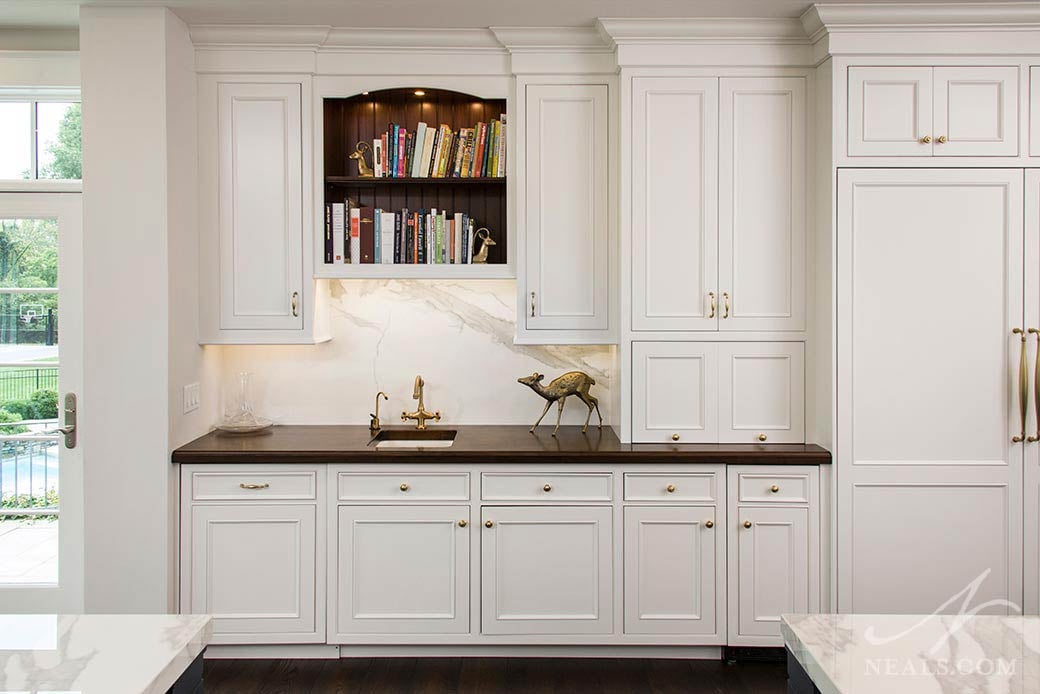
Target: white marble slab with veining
[[98, 654], [917, 654]]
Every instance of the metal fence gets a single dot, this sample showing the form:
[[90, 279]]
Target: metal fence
[[19, 383], [28, 477], [30, 327]]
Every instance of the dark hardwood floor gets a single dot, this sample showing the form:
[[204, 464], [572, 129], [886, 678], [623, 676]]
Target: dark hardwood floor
[[493, 676]]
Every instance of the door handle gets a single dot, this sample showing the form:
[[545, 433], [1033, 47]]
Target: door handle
[[1036, 387], [711, 302], [1023, 388], [69, 429], [725, 304], [295, 304]]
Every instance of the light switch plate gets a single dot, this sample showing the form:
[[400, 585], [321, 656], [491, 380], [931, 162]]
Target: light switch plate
[[191, 397]]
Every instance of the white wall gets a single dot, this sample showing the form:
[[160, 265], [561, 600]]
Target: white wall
[[457, 335], [140, 237]]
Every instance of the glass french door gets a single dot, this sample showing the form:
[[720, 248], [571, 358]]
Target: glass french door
[[41, 333]]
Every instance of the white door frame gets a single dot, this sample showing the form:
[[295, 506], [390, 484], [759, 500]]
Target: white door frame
[[67, 595]]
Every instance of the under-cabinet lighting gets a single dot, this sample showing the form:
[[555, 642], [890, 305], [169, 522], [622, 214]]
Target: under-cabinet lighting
[[419, 92]]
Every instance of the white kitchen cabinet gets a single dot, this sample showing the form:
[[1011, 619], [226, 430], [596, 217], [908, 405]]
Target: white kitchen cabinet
[[546, 570], [761, 392], [254, 270], [931, 428], [252, 552], [1034, 111], [401, 569], [1031, 506], [774, 557], [675, 130], [941, 111], [565, 172], [718, 392], [673, 555]]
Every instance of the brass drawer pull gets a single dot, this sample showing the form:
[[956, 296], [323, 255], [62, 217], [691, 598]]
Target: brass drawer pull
[[709, 524], [1023, 388], [675, 437], [926, 140], [265, 485], [404, 487], [747, 524], [463, 524], [295, 304], [725, 304], [941, 139], [711, 303], [670, 488], [488, 524], [762, 437], [547, 488], [774, 489]]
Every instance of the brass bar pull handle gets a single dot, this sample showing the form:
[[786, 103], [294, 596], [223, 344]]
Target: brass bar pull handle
[[295, 304], [1036, 387], [711, 304], [725, 304], [265, 485], [1023, 388], [532, 304]]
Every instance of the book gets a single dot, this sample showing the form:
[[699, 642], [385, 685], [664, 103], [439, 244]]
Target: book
[[398, 244], [383, 155], [431, 235], [501, 161], [377, 228], [456, 238], [391, 136], [467, 247], [409, 144], [417, 151], [496, 135], [420, 241], [402, 136], [328, 233], [467, 152], [355, 235], [377, 157], [427, 152], [388, 226], [460, 146], [338, 251], [408, 256], [442, 165], [366, 233]]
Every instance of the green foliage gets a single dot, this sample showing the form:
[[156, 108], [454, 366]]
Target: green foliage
[[48, 500], [44, 404], [23, 408], [8, 416], [67, 150]]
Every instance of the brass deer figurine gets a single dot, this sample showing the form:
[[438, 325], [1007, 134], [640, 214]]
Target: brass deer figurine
[[571, 383], [359, 155], [484, 236]]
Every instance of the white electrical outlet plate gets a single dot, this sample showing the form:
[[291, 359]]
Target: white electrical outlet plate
[[191, 397]]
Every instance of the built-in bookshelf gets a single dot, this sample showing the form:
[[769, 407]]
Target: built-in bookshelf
[[454, 187]]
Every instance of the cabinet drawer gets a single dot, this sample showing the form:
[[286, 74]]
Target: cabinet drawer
[[592, 486], [760, 487], [402, 486], [253, 484], [686, 486]]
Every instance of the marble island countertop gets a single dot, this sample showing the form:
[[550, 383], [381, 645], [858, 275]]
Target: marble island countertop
[[98, 654], [915, 654], [479, 444]]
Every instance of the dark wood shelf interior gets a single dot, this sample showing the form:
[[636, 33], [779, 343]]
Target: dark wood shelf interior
[[361, 118]]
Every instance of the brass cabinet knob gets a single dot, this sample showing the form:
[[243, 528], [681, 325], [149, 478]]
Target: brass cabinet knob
[[265, 485], [926, 139], [463, 523], [404, 487], [774, 489], [488, 524], [675, 437], [547, 488], [670, 488], [941, 139], [747, 524], [709, 524], [762, 437]]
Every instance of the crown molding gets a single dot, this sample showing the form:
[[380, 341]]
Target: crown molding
[[252, 35], [701, 31], [552, 39], [411, 40], [862, 17]]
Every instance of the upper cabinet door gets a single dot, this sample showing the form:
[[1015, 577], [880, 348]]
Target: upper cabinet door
[[890, 111], [675, 203], [567, 264], [761, 392], [259, 142], [675, 392], [975, 111], [1034, 111], [762, 203]]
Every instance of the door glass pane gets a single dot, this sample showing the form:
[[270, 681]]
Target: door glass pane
[[29, 486], [15, 139], [58, 139]]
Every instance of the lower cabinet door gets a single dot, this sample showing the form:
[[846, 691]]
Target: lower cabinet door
[[770, 574], [402, 569], [674, 558], [546, 570], [253, 569]]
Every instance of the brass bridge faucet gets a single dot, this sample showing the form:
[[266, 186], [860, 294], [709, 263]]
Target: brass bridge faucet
[[421, 414], [373, 424]]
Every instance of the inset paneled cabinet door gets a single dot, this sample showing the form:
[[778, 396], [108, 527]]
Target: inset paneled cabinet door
[[401, 570], [546, 570], [718, 392], [1034, 111], [673, 559], [565, 171], [718, 203], [940, 111], [253, 567]]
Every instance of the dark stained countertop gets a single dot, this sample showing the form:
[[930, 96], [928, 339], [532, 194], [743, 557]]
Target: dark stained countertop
[[479, 444]]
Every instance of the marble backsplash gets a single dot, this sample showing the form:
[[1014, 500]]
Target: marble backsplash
[[458, 335]]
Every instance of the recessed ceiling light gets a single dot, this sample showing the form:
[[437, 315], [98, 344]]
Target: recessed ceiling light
[[419, 92]]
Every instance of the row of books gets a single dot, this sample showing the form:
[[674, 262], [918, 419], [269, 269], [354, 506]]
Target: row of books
[[367, 235], [430, 152]]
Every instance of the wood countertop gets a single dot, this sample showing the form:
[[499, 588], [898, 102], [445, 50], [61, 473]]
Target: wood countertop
[[479, 444]]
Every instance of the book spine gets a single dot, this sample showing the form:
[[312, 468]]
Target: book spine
[[397, 238], [467, 152], [417, 153], [387, 241], [377, 232], [478, 155], [409, 239], [456, 238], [402, 137], [460, 147], [484, 154], [384, 154], [339, 255], [391, 136], [409, 144], [501, 170], [415, 240], [428, 140], [377, 157], [421, 241], [328, 233], [449, 169], [466, 245]]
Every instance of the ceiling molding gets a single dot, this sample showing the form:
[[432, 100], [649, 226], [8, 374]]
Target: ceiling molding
[[267, 35], [701, 30], [863, 17], [552, 39], [409, 39]]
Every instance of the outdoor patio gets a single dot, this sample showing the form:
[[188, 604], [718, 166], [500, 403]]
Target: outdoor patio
[[28, 551]]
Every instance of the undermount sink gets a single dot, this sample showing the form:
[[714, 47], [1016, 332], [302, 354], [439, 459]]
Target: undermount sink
[[415, 438]]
